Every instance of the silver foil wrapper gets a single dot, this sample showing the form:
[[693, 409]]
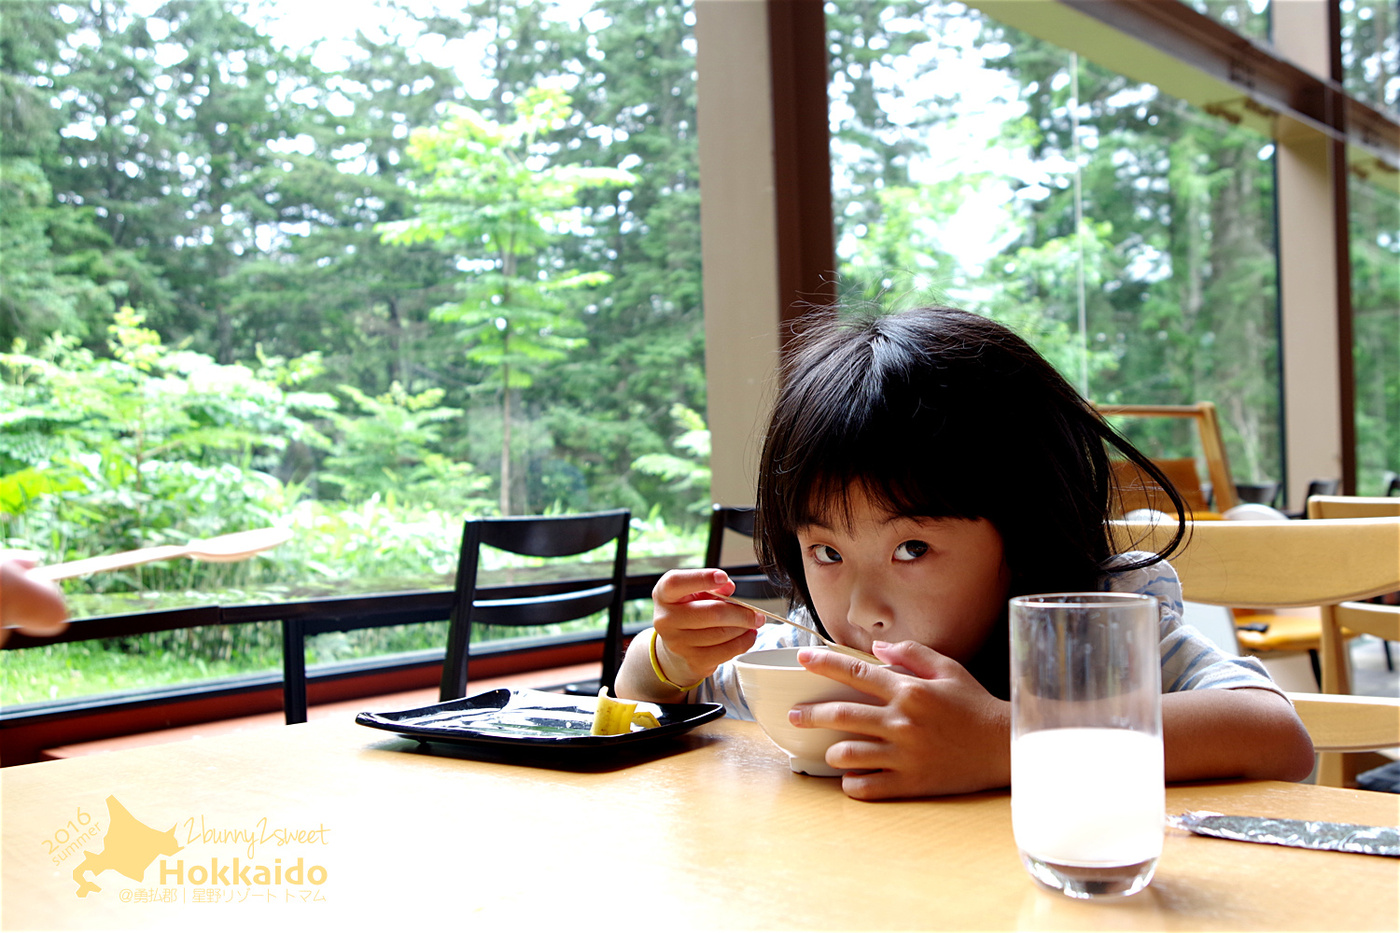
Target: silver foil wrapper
[[1306, 834]]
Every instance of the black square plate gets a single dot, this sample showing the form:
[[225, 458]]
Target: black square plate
[[534, 719]]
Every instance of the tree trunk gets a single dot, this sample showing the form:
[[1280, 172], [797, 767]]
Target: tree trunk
[[505, 436]]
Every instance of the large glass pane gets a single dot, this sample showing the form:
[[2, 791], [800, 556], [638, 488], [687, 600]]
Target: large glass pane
[[1128, 234], [1371, 51], [1375, 295], [1247, 17], [444, 263]]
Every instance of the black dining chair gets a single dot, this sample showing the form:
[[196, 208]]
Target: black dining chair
[[343, 614], [748, 583], [1262, 493], [1317, 487], [550, 536]]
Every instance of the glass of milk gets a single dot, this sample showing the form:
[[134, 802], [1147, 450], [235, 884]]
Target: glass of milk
[[1088, 797]]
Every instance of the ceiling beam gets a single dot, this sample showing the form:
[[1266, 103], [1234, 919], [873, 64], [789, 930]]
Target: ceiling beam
[[1190, 56]]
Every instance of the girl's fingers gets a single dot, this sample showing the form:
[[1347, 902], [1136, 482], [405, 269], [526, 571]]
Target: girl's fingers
[[678, 586], [685, 612], [710, 636], [875, 785], [912, 657], [846, 716], [859, 755], [853, 672]]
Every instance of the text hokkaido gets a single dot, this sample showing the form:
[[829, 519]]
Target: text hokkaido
[[245, 873]]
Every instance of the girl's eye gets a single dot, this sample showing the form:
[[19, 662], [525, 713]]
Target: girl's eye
[[910, 550], [825, 554]]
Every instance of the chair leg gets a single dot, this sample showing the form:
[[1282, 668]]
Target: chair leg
[[1330, 770], [1389, 662], [293, 670]]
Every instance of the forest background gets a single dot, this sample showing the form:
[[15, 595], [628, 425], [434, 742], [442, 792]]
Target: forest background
[[368, 299]]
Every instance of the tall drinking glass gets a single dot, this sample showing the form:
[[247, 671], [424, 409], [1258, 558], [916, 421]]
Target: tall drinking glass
[[1088, 796]]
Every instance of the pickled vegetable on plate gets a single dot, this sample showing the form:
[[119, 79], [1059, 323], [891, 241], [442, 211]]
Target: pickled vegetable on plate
[[617, 717]]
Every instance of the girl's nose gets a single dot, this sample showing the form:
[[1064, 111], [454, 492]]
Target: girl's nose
[[869, 610]]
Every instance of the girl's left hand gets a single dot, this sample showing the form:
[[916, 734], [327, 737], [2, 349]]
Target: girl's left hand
[[937, 730]]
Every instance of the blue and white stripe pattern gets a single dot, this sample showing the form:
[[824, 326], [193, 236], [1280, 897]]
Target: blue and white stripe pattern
[[1189, 660]]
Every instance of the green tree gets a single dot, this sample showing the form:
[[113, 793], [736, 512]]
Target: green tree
[[393, 450], [330, 284], [1180, 283], [146, 445], [634, 100], [47, 288], [490, 196]]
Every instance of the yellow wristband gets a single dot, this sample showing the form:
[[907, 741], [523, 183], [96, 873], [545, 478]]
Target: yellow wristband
[[656, 666]]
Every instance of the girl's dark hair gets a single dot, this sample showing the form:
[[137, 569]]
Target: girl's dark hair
[[940, 413]]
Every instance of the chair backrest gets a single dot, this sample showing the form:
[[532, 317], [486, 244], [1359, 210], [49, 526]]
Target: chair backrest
[[724, 518], [1322, 487], [1382, 621], [1261, 493], [1212, 450], [1325, 562], [341, 614], [552, 536], [1349, 723], [1278, 563], [1139, 491], [739, 519], [1329, 506]]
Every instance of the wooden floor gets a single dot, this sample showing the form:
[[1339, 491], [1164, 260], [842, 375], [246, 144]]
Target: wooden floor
[[551, 677]]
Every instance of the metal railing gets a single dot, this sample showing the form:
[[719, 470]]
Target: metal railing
[[355, 610]]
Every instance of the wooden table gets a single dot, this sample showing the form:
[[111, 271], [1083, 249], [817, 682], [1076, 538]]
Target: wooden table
[[709, 831]]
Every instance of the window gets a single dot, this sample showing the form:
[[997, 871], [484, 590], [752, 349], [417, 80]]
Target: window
[[1125, 232], [247, 284], [1375, 295], [1371, 51]]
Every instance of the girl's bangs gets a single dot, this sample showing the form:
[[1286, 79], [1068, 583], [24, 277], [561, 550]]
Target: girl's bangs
[[898, 478]]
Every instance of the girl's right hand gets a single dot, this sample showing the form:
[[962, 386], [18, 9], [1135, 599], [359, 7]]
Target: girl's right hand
[[695, 632]]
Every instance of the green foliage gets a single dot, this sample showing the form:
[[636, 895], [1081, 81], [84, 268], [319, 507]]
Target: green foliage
[[85, 668], [147, 446], [687, 470], [1375, 220], [488, 195], [394, 449]]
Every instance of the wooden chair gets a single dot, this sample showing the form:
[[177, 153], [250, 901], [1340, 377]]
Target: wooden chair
[[552, 536], [1138, 491], [1321, 562], [1182, 471], [1264, 633], [1340, 621], [1341, 725], [737, 519]]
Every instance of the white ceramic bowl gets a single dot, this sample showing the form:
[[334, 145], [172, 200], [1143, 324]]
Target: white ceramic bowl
[[773, 683]]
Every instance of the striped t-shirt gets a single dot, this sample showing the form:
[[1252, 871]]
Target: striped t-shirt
[[1189, 660]]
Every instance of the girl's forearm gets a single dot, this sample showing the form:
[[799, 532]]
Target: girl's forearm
[[1240, 733]]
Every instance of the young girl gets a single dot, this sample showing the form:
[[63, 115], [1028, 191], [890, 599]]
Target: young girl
[[919, 469]]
